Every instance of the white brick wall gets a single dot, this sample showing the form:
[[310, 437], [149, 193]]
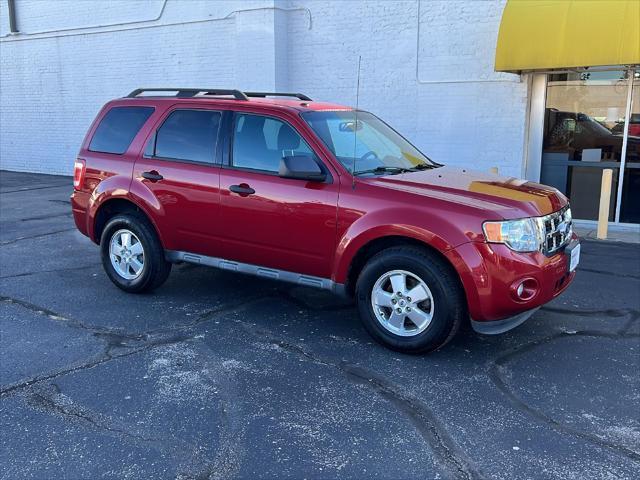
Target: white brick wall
[[429, 75]]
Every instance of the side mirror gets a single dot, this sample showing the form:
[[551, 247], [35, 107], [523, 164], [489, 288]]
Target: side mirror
[[301, 167]]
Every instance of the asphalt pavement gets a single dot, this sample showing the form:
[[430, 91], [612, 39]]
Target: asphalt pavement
[[218, 376]]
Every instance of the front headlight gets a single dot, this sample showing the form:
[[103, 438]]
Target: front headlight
[[524, 235]]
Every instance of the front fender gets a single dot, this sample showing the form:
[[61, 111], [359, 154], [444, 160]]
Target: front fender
[[389, 223]]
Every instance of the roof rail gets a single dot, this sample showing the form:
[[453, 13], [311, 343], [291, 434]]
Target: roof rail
[[301, 96], [191, 92]]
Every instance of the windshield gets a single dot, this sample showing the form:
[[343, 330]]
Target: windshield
[[378, 149]]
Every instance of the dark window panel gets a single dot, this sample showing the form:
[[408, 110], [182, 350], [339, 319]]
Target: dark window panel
[[118, 129], [189, 135]]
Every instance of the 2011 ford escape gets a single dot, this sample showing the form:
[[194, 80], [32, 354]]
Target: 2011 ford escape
[[321, 195]]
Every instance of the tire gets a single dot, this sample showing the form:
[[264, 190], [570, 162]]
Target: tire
[[133, 278], [438, 309]]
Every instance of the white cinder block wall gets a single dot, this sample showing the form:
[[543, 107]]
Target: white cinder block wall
[[427, 68]]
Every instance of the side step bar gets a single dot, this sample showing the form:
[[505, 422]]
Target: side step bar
[[256, 270]]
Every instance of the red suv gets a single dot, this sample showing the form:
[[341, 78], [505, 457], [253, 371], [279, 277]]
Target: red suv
[[321, 195]]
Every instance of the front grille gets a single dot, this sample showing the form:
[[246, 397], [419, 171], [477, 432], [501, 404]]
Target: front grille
[[557, 230]]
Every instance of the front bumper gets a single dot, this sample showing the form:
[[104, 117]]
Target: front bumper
[[490, 274], [496, 327]]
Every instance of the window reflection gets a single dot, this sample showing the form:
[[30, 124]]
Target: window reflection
[[630, 202], [583, 134]]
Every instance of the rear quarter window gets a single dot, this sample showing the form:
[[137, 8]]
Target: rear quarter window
[[118, 128]]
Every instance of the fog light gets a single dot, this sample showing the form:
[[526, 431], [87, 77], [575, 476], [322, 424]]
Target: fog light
[[524, 290]]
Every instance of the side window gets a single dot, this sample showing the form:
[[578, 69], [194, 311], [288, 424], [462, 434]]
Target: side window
[[189, 135], [260, 142], [118, 128]]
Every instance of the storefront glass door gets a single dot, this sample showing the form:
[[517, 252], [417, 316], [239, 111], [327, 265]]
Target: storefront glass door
[[630, 198], [584, 125]]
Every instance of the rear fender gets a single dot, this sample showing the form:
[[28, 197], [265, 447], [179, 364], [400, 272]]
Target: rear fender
[[119, 187]]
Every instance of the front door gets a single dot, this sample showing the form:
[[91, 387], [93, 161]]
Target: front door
[[179, 171], [271, 221]]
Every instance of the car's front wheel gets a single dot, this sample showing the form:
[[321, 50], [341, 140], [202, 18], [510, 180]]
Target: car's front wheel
[[410, 300], [132, 254]]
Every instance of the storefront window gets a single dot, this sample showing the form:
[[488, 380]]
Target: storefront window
[[630, 201], [583, 134]]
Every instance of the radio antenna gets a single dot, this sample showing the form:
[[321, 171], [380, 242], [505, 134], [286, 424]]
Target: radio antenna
[[355, 128]]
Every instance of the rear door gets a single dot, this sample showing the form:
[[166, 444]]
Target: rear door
[[276, 222], [180, 169]]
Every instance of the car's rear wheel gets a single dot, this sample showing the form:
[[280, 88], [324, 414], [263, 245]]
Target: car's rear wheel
[[410, 300], [132, 254]]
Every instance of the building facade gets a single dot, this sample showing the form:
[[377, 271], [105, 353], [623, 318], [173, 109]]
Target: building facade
[[428, 68]]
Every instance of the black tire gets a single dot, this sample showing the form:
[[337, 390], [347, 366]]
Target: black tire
[[155, 269], [449, 301]]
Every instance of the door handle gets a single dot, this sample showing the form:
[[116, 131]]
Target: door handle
[[242, 189], [152, 175]]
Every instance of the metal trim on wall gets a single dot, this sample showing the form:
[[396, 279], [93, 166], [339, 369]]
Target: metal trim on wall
[[623, 155], [535, 134]]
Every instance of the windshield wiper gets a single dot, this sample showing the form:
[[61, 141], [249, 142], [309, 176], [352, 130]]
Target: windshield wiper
[[423, 166], [384, 169]]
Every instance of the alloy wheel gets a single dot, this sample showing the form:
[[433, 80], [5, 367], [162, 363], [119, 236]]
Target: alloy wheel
[[126, 254], [402, 303]]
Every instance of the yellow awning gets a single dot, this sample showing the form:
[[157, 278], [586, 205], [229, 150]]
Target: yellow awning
[[546, 34]]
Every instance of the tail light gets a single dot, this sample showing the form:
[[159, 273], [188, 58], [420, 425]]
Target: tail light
[[78, 173]]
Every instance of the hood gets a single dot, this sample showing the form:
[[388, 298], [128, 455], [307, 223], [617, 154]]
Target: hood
[[507, 197]]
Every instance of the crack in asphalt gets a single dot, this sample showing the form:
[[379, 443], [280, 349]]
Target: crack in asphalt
[[611, 244], [113, 339], [20, 190], [46, 217], [626, 328], [105, 357], [31, 237], [55, 270], [97, 331], [447, 454], [497, 367], [608, 255], [213, 313], [226, 463], [612, 274], [632, 313], [9, 389], [50, 402], [431, 429]]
